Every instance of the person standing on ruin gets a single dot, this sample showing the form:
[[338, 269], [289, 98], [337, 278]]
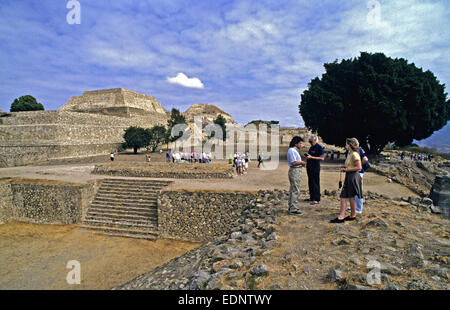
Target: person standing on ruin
[[111, 156], [352, 183], [260, 160], [295, 164], [315, 156]]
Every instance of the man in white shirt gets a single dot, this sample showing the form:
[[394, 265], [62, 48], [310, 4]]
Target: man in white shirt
[[295, 164]]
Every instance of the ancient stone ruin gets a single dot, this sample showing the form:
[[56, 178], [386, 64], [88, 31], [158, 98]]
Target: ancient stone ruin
[[93, 124], [116, 101], [208, 112], [440, 194]]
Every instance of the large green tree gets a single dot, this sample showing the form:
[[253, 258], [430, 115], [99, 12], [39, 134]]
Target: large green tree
[[26, 103], [376, 99], [136, 137], [221, 121], [158, 135], [175, 118]]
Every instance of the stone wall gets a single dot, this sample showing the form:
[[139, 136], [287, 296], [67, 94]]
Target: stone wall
[[166, 170], [44, 201], [78, 118], [60, 133], [20, 155], [37, 136], [200, 216]]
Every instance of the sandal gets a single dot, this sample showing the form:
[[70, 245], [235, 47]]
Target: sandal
[[296, 212], [337, 220], [349, 218]]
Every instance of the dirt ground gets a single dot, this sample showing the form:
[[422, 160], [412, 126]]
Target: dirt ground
[[310, 246], [256, 179], [35, 256]]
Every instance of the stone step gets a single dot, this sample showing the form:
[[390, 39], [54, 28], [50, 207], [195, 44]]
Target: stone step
[[122, 215], [121, 232], [123, 202], [125, 208], [121, 223], [133, 188], [127, 191], [135, 182], [151, 197], [106, 207], [124, 219]]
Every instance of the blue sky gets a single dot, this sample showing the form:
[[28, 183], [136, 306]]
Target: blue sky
[[253, 59]]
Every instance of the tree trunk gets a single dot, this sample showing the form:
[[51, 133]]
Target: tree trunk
[[135, 150]]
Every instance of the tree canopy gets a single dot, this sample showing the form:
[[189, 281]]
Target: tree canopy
[[158, 135], [221, 121], [376, 99], [26, 103], [175, 118], [136, 137]]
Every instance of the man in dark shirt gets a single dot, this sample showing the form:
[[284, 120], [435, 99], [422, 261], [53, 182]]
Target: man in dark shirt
[[315, 156]]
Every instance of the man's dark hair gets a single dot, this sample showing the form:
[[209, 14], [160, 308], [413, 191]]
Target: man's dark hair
[[295, 141]]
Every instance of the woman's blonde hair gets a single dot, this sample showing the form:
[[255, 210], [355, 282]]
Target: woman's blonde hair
[[353, 143]]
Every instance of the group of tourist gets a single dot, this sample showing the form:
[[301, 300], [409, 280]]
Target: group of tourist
[[420, 157], [332, 154], [240, 162], [189, 157], [354, 166]]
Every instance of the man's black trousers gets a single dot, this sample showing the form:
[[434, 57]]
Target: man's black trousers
[[314, 182]]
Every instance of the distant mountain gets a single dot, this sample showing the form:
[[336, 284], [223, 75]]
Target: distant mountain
[[440, 140]]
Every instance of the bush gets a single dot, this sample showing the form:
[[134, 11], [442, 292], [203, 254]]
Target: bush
[[26, 103]]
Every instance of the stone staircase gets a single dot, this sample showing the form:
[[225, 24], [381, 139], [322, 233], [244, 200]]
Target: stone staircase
[[125, 208]]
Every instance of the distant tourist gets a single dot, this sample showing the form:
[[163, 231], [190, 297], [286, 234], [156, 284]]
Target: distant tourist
[[365, 165], [168, 156], [209, 157], [402, 155], [352, 183], [239, 165], [148, 158], [260, 160], [176, 157], [230, 159], [315, 156], [111, 156], [295, 164], [246, 161]]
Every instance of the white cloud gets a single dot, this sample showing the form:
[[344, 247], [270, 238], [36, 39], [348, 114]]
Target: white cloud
[[183, 80]]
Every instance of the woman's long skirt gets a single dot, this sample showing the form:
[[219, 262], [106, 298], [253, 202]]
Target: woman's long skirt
[[352, 185]]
